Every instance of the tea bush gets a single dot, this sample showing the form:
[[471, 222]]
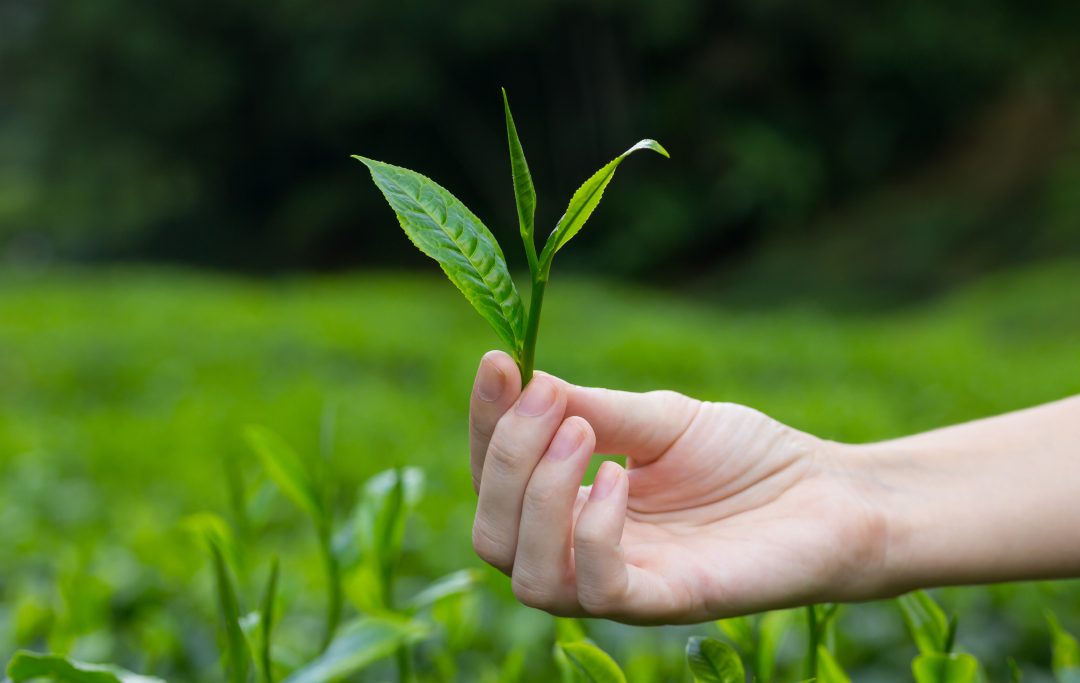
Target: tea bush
[[124, 396]]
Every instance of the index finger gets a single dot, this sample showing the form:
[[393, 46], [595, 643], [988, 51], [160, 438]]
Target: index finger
[[497, 386]]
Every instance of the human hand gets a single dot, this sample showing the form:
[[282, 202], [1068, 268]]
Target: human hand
[[721, 511]]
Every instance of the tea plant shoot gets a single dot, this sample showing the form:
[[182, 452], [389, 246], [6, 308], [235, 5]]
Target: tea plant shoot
[[444, 229]]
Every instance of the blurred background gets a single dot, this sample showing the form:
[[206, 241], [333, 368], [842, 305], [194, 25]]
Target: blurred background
[[869, 226]]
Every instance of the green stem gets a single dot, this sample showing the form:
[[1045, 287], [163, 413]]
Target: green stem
[[532, 327], [333, 588], [810, 668], [404, 664]]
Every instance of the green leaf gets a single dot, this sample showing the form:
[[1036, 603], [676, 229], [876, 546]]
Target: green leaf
[[364, 588], [451, 584], [358, 644], [208, 529], [937, 667], [772, 629], [27, 665], [568, 630], [568, 673], [1065, 660], [266, 619], [741, 632], [441, 227], [828, 669], [592, 663], [282, 465], [524, 192], [1015, 674], [389, 533], [713, 662], [925, 621], [229, 608], [588, 197]]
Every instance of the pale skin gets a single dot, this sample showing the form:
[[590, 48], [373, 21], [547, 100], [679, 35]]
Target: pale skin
[[723, 511]]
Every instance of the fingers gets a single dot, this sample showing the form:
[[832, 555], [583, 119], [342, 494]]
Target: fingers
[[542, 562], [497, 386], [519, 439], [639, 426], [603, 581]]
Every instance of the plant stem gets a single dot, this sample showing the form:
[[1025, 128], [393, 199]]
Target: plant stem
[[532, 326], [810, 667], [404, 665], [333, 588]]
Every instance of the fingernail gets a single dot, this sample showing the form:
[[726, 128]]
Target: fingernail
[[539, 396], [566, 441], [605, 481], [490, 381]]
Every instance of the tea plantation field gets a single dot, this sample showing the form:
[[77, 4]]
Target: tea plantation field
[[123, 394]]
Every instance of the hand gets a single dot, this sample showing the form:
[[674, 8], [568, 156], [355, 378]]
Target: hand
[[721, 511]]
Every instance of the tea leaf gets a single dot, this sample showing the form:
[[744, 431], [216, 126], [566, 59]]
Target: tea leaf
[[27, 665], [828, 669], [451, 584], [284, 467], [1065, 660], [587, 197], [740, 631], [266, 620], [568, 630], [937, 667], [771, 632], [235, 641], [595, 665], [524, 192], [441, 227], [208, 529], [925, 621], [713, 662], [389, 533], [568, 673], [358, 645]]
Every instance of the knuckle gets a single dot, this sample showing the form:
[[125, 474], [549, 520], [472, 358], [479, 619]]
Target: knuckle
[[504, 457], [599, 601], [488, 548], [531, 592], [537, 501]]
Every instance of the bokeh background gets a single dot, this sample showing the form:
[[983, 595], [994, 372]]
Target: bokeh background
[[869, 226]]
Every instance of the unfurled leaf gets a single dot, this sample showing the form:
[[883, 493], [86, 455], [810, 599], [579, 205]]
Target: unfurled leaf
[[357, 645], [568, 673], [523, 184], [1065, 659], [229, 608], [772, 629], [457, 582], [925, 621], [828, 669], [937, 667], [568, 630], [711, 661], [28, 665], [441, 227], [740, 630], [594, 665], [588, 196], [284, 467]]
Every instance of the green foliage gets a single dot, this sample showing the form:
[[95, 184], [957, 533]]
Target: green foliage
[[1066, 652], [711, 661], [926, 622], [357, 645], [25, 666], [441, 227], [938, 667], [236, 645], [283, 466], [524, 192], [759, 638], [593, 664]]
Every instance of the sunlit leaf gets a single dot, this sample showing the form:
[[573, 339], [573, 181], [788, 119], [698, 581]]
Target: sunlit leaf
[[711, 661], [925, 621], [284, 467], [568, 630], [828, 669], [208, 529], [588, 197], [1065, 660], [524, 192], [741, 631], [28, 665], [937, 667], [441, 227], [457, 582], [357, 645], [594, 665]]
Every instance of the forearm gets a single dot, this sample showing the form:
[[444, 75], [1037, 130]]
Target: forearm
[[987, 501]]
